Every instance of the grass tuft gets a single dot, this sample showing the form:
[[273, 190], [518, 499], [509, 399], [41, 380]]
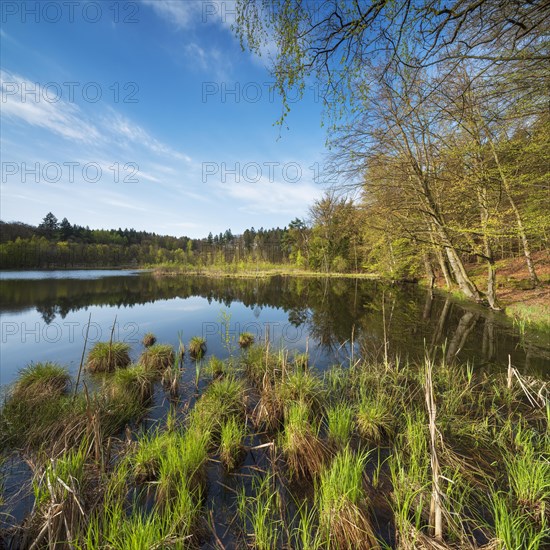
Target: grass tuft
[[233, 432], [343, 515], [529, 478], [149, 339], [108, 356], [135, 382], [158, 357], [300, 385], [340, 424], [222, 400], [41, 381], [373, 419], [246, 339], [197, 347], [304, 451], [216, 367], [516, 529]]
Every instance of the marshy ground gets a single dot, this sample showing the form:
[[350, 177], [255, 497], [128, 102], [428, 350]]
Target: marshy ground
[[263, 451]]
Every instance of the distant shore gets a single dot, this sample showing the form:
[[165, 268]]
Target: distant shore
[[519, 301]]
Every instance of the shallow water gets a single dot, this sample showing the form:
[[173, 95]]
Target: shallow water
[[44, 317]]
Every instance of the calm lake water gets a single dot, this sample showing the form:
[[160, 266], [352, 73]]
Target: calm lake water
[[44, 317]]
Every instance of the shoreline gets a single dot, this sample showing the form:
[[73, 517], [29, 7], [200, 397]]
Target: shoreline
[[262, 274], [523, 306]]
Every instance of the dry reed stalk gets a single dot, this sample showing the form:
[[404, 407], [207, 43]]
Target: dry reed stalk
[[111, 339], [436, 510], [537, 397], [82, 358]]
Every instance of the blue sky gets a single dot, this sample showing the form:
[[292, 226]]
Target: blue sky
[[137, 114]]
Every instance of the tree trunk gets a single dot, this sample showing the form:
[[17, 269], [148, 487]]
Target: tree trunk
[[491, 285], [427, 313], [488, 251], [438, 332], [430, 275], [488, 346], [465, 326], [444, 268], [467, 287], [519, 221]]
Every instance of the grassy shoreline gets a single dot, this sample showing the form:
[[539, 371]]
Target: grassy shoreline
[[525, 306], [314, 460], [253, 273]]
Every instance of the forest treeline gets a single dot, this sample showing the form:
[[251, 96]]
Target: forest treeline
[[54, 244]]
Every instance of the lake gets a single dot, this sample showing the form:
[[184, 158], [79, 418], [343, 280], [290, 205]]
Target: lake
[[44, 317]]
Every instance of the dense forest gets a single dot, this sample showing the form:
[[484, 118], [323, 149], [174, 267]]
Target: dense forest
[[54, 244], [340, 235]]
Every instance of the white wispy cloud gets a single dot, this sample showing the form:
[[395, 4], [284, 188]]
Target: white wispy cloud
[[123, 203], [198, 54], [273, 197], [122, 127], [209, 60], [190, 15], [27, 101], [181, 13], [185, 14]]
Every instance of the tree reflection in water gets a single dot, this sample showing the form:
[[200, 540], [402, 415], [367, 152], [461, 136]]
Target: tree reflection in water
[[409, 319]]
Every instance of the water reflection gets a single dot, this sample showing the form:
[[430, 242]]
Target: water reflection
[[404, 320]]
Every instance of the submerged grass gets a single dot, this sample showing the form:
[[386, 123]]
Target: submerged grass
[[104, 480], [344, 520]]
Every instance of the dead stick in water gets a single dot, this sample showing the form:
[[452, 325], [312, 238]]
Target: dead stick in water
[[111, 343], [82, 358]]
